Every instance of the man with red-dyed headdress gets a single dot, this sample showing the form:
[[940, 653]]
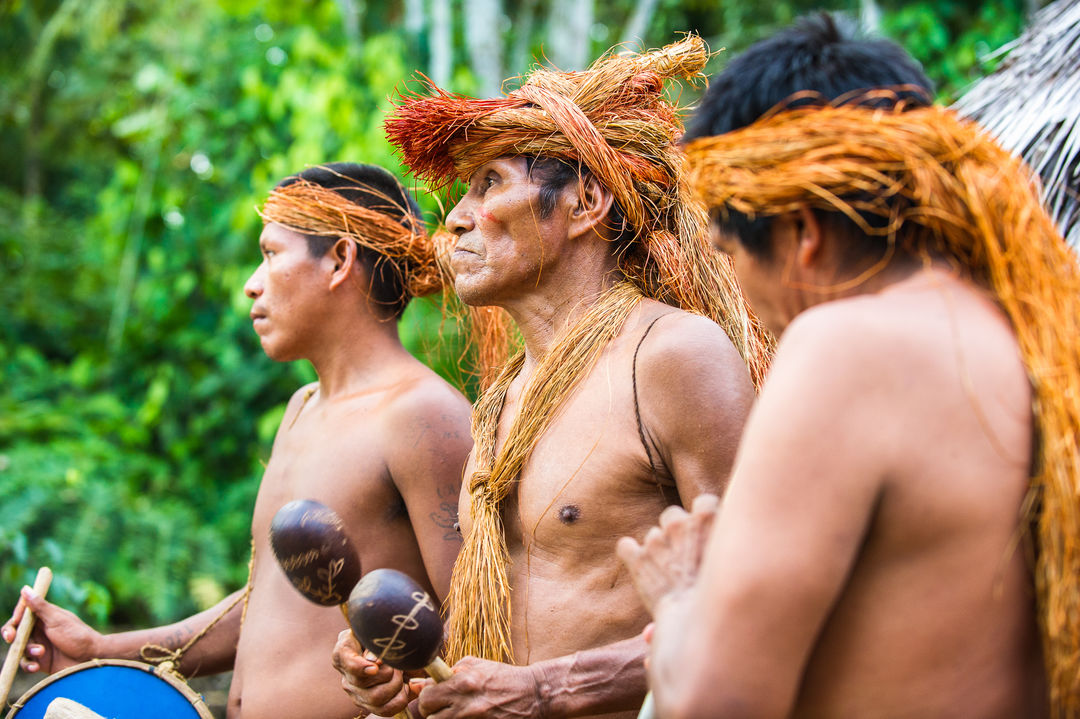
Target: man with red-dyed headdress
[[379, 438], [628, 393]]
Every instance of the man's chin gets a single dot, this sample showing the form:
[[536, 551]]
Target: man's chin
[[471, 292], [278, 354]]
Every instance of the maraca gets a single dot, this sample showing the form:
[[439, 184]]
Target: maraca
[[310, 544], [391, 614], [309, 541]]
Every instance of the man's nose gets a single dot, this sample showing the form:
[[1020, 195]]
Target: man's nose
[[254, 286], [460, 219]]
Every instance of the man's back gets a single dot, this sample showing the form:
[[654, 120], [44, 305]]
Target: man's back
[[368, 455], [891, 452]]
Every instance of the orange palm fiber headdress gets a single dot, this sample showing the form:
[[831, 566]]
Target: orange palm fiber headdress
[[309, 208], [946, 188], [614, 120]]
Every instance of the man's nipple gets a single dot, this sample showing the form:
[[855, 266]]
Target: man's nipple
[[569, 514]]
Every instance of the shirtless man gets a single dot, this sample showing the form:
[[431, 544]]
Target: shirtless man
[[651, 422], [379, 438], [871, 557]]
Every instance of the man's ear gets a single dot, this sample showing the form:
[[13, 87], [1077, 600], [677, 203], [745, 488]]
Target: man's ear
[[809, 236], [343, 254], [592, 207]]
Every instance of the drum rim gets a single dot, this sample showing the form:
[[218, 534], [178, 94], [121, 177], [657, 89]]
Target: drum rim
[[171, 678]]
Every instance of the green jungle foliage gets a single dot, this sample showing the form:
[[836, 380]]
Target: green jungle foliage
[[136, 140]]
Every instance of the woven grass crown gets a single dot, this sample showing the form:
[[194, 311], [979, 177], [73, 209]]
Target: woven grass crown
[[946, 187], [386, 227]]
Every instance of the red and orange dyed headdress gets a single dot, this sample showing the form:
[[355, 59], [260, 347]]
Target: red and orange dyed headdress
[[614, 120]]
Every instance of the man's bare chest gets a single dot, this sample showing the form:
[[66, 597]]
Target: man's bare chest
[[588, 473]]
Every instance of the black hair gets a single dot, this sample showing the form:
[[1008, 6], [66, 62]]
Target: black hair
[[375, 188], [553, 174], [824, 56]]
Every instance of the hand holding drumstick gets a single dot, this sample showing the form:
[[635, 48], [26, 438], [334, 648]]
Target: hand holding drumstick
[[22, 635]]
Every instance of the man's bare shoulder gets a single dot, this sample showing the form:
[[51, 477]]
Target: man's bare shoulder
[[427, 400], [296, 403], [694, 395], [684, 347], [921, 336]]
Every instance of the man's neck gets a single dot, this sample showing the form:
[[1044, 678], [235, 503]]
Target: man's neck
[[356, 356], [544, 315]]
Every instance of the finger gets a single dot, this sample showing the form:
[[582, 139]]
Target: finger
[[628, 550], [16, 617], [673, 515], [653, 538], [433, 698], [38, 605], [705, 504]]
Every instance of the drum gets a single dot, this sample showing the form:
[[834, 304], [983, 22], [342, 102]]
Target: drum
[[115, 689]]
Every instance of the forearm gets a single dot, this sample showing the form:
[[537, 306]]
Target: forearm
[[214, 652], [593, 681]]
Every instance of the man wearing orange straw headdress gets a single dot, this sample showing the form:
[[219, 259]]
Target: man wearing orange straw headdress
[[626, 397], [380, 438], [903, 522]]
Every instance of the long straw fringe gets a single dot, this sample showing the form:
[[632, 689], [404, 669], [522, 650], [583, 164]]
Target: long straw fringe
[[964, 198], [480, 583]]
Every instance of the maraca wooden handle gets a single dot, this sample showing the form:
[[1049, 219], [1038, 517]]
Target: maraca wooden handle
[[22, 636], [438, 670]]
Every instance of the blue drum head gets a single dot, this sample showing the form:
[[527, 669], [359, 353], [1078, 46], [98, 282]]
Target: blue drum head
[[115, 690]]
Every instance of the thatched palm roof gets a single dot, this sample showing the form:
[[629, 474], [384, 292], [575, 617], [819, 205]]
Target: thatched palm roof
[[1032, 105]]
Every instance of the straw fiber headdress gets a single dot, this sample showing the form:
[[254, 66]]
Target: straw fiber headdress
[[309, 208], [945, 187], [613, 121]]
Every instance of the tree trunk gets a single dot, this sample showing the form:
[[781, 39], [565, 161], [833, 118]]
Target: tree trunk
[[523, 29], [351, 10], [483, 19], [441, 53], [638, 24], [568, 33], [415, 17]]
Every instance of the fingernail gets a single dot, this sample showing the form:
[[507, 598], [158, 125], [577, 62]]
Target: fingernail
[[28, 593], [32, 667], [371, 670]]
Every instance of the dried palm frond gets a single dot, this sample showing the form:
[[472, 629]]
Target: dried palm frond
[[1032, 105], [947, 187]]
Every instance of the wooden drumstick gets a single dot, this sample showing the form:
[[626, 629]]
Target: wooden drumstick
[[310, 544], [392, 614], [22, 635]]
